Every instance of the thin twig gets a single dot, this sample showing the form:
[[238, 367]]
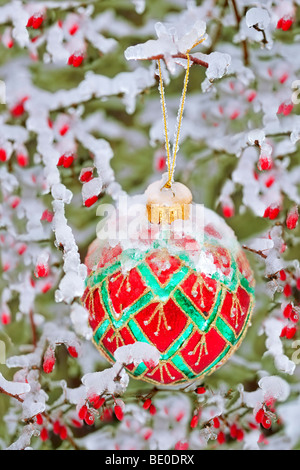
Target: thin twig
[[180, 55], [244, 42], [11, 395]]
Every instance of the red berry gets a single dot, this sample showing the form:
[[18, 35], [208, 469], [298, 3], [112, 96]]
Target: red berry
[[282, 275], [64, 129], [283, 332], [287, 311], [152, 410], [118, 412], [251, 96], [228, 211], [86, 176], [73, 29], [147, 403], [96, 401], [290, 332], [266, 422], [75, 60], [5, 318], [63, 433], [90, 201], [35, 21], [82, 412], [233, 431], [3, 155], [194, 421], [22, 159], [240, 435], [56, 427], [148, 434], [89, 418], [47, 215], [294, 317], [292, 218], [68, 160], [17, 110], [41, 270], [270, 181], [221, 438], [72, 351], [44, 435], [39, 419], [48, 365], [216, 422], [181, 446], [200, 390], [273, 212], [260, 415], [265, 163], [287, 290]]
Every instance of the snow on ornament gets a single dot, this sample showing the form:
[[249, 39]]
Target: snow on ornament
[[168, 273], [180, 282]]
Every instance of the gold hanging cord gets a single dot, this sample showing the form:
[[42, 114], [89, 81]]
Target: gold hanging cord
[[171, 167]]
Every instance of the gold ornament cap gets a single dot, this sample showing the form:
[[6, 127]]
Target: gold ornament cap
[[166, 204]]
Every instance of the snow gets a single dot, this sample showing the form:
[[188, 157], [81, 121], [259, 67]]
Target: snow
[[137, 353], [259, 17], [13, 388]]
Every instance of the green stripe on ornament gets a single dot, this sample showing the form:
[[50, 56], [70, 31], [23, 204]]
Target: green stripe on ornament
[[182, 366], [141, 368], [162, 292], [226, 331], [247, 320], [178, 343], [139, 304], [137, 332], [189, 308], [100, 276], [245, 284], [101, 330], [197, 318]]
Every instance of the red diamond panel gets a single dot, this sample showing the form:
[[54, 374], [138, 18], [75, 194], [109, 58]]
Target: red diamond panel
[[214, 345], [235, 308], [124, 337], [165, 374], [163, 267], [95, 308], [203, 296], [125, 290], [162, 329]]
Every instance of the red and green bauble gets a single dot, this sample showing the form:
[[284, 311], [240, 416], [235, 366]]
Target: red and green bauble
[[178, 281]]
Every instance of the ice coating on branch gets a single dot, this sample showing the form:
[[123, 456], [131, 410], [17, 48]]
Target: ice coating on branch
[[172, 39], [274, 387], [14, 388], [79, 317], [106, 381], [137, 353], [259, 17], [218, 64]]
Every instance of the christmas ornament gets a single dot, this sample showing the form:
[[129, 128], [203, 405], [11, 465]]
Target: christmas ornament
[[177, 279]]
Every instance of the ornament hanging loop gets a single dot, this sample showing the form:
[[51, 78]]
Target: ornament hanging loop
[[171, 167]]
